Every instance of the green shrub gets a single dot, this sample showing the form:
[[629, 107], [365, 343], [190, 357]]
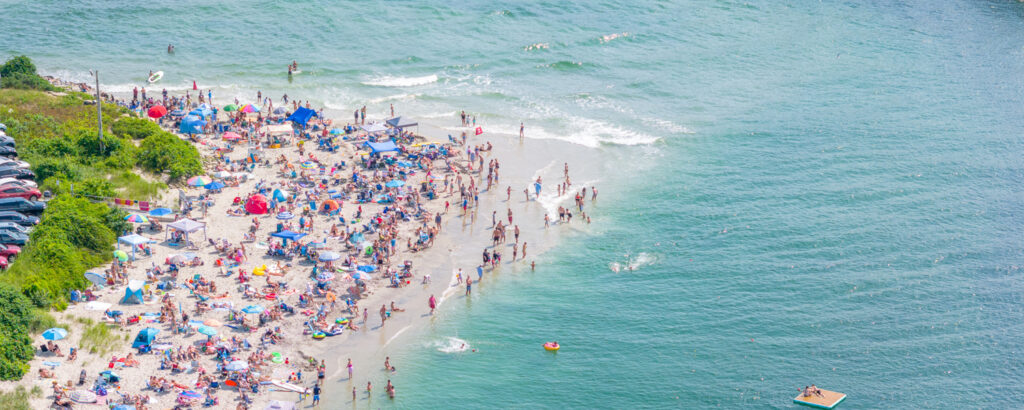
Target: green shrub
[[19, 72], [165, 152], [100, 339], [135, 128], [16, 315], [17, 399], [64, 169]]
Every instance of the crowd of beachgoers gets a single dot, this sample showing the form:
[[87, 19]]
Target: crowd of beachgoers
[[300, 227]]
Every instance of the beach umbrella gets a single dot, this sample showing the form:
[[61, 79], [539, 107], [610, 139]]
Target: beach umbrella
[[337, 131], [356, 275], [160, 212], [200, 180], [55, 333], [394, 183], [280, 110], [137, 218], [248, 108], [230, 107], [157, 111], [231, 136], [237, 365], [109, 375], [324, 276], [285, 216], [280, 405], [253, 309], [331, 205], [329, 256], [207, 330], [309, 165], [212, 323], [215, 185], [121, 255], [223, 174], [123, 407], [96, 278], [177, 113], [83, 396]]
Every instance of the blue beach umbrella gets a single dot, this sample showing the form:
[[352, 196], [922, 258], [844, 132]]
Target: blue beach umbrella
[[160, 212], [96, 278], [337, 131], [329, 256], [394, 183], [55, 333], [207, 330], [215, 185]]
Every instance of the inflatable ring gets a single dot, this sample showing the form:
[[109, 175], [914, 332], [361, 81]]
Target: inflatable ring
[[276, 357], [270, 296], [551, 347], [319, 335], [257, 272], [341, 320]]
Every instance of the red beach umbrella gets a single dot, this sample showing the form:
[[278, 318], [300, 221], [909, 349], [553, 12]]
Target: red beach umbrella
[[194, 85], [157, 111]]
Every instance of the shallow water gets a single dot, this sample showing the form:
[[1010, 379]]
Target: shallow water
[[824, 193]]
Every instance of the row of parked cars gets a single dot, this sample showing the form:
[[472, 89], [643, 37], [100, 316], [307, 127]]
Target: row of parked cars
[[20, 200]]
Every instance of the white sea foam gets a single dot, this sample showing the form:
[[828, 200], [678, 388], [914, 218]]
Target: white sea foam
[[610, 37], [452, 345], [395, 81], [634, 262], [396, 97], [536, 46]]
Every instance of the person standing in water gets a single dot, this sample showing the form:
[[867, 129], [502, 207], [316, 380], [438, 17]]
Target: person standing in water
[[432, 303], [521, 128], [469, 286]]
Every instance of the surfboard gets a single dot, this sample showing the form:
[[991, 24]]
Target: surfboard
[[156, 77]]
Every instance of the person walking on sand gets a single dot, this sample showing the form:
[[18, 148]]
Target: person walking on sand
[[316, 394], [321, 372], [432, 303], [349, 366], [521, 131], [383, 314], [366, 316], [524, 249]]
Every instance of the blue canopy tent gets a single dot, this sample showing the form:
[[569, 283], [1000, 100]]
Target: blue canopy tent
[[301, 115], [133, 240], [192, 124], [145, 337], [133, 293], [402, 122], [378, 147], [288, 235]]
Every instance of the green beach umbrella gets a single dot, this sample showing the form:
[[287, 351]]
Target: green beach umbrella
[[230, 107], [121, 255]]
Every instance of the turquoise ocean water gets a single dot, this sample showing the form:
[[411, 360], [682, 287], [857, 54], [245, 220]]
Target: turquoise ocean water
[[810, 192]]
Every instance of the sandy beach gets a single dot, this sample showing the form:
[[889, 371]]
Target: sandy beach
[[280, 346]]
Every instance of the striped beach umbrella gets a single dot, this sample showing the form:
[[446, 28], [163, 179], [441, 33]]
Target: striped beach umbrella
[[309, 165], [137, 218], [285, 216], [248, 108], [200, 180]]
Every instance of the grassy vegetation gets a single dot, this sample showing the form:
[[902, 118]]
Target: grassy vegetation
[[17, 399], [100, 339]]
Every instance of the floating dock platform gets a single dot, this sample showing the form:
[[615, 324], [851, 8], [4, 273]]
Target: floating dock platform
[[827, 400]]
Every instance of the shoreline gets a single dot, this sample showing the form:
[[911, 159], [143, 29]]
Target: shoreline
[[457, 246]]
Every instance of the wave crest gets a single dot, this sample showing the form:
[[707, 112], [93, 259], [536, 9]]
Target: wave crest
[[395, 81]]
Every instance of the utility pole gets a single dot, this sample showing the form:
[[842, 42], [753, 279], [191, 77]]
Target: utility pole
[[99, 110]]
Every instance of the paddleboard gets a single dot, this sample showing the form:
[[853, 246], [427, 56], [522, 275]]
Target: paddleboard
[[288, 386], [156, 77]]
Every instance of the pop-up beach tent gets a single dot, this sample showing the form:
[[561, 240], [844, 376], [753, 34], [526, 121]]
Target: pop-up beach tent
[[257, 204], [145, 337], [288, 235], [133, 293], [378, 147], [402, 122], [187, 226], [301, 115], [133, 240]]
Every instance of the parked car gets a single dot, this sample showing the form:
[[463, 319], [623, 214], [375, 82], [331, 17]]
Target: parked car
[[8, 151], [11, 237], [7, 141], [18, 218], [3, 262], [13, 226], [9, 252], [18, 191], [23, 164], [23, 182], [18, 173], [22, 205]]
